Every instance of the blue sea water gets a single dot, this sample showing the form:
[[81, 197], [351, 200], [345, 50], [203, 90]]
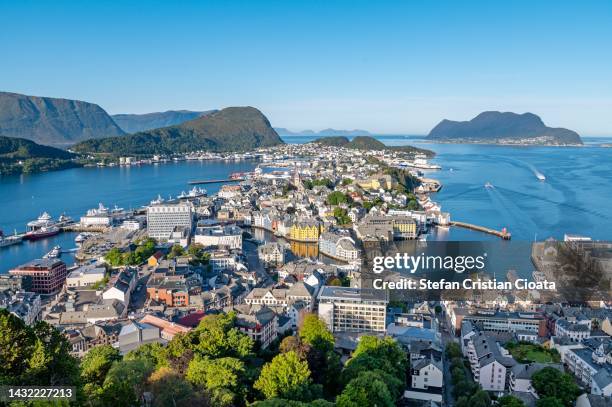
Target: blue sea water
[[576, 196], [74, 191]]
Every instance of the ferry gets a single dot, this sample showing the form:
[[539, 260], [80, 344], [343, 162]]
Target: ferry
[[194, 193], [420, 161], [54, 253], [9, 240], [158, 201], [41, 228]]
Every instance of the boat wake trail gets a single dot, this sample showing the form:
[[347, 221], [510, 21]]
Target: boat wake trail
[[562, 204]]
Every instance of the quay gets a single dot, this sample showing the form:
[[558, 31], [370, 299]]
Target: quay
[[503, 234], [215, 181]]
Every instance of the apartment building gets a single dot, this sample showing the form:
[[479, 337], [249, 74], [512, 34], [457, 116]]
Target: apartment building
[[47, 275], [351, 309], [163, 218], [499, 321]]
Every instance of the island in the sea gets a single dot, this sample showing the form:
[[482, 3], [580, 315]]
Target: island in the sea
[[369, 143], [503, 128]]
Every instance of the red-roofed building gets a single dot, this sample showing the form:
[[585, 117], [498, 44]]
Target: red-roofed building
[[167, 329]]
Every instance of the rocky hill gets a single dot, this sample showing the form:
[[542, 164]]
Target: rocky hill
[[52, 121], [230, 129], [132, 123], [503, 128]]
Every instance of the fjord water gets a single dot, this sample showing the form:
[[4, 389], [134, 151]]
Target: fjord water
[[23, 198], [576, 196]]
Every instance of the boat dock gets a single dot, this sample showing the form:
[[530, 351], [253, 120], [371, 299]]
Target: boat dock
[[503, 234], [215, 181]]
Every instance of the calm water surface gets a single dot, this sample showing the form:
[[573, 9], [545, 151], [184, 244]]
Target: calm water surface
[[576, 196]]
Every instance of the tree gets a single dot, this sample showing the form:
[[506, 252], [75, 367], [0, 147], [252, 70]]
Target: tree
[[286, 376], [368, 389], [480, 399], [169, 389], [96, 364], [347, 181], [549, 402], [114, 257], [221, 377], [550, 382], [175, 251], [453, 350], [510, 401], [125, 382], [217, 337], [386, 350], [314, 332], [337, 198]]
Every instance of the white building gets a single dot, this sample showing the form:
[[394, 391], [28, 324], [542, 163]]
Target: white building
[[85, 276], [427, 373], [221, 236], [338, 246], [351, 309], [163, 218], [272, 253], [99, 216]]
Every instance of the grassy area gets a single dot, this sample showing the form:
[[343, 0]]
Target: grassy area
[[528, 352]]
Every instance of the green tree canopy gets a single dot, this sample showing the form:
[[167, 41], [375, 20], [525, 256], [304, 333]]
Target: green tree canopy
[[314, 332], [550, 382], [510, 401], [286, 376], [367, 389]]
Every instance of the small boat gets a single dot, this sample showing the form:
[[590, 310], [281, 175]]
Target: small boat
[[541, 177], [54, 253], [9, 240], [489, 185]]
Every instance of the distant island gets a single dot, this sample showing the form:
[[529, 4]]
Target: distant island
[[503, 128], [53, 121], [323, 133], [19, 155], [229, 129], [132, 123], [368, 143]]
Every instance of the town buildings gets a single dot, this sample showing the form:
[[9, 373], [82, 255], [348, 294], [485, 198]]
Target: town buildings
[[162, 218], [352, 309], [47, 275]]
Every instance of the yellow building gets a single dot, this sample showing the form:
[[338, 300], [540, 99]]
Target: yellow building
[[307, 231], [377, 181], [404, 227]]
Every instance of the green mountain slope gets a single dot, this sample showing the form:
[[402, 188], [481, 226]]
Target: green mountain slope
[[230, 129], [52, 121], [132, 123]]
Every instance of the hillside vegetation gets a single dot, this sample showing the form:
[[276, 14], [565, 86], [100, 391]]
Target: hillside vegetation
[[230, 129]]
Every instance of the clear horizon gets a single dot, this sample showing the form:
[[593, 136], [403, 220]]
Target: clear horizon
[[388, 67]]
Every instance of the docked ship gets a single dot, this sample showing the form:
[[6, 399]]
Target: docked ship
[[41, 228], [54, 253], [194, 193], [9, 240], [420, 161]]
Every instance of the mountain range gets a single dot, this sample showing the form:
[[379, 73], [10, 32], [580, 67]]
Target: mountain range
[[323, 133], [132, 123], [53, 121], [229, 129], [503, 128]]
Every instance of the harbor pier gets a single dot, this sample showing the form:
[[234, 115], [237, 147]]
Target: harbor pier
[[503, 234]]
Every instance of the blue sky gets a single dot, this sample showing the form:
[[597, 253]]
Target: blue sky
[[390, 67]]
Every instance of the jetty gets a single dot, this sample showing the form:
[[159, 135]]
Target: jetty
[[503, 234], [214, 181]]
